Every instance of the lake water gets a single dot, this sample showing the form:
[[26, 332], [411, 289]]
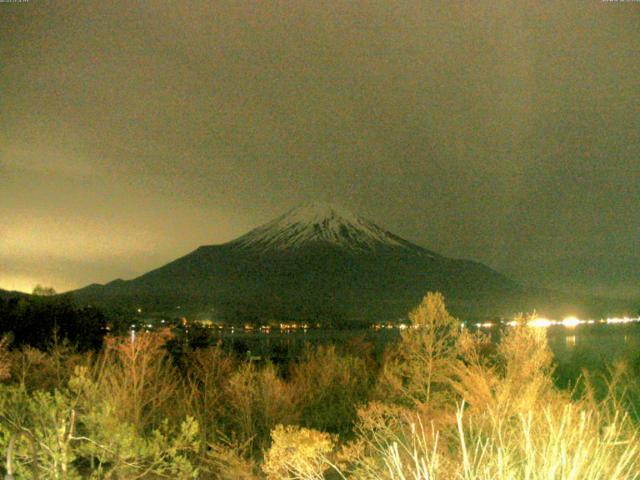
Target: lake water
[[583, 346]]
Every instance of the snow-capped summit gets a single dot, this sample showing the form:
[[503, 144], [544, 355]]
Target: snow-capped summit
[[321, 223]]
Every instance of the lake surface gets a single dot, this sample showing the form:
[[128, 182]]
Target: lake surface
[[585, 346]]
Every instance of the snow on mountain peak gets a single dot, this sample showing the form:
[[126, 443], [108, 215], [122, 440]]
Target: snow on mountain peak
[[314, 212], [321, 223]]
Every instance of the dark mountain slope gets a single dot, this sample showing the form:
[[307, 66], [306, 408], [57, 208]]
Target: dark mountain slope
[[315, 262]]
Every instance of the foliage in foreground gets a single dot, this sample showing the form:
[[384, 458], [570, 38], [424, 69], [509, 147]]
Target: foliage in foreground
[[443, 404]]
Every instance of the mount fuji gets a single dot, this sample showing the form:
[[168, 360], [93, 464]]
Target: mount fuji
[[317, 262]]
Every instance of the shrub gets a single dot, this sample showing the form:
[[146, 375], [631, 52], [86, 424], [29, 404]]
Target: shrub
[[207, 372], [516, 378], [416, 371], [140, 379], [5, 359], [298, 453], [226, 461], [328, 388], [45, 370], [256, 400]]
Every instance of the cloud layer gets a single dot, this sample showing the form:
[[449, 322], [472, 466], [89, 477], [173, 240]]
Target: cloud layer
[[505, 131]]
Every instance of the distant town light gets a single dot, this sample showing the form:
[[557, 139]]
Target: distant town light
[[540, 323], [484, 325], [622, 320], [571, 322]]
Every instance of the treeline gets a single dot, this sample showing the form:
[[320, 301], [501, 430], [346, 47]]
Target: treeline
[[37, 320], [442, 403]]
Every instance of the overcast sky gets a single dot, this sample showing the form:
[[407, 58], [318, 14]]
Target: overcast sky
[[506, 131]]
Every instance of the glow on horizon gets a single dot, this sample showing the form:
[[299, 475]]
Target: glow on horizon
[[21, 283]]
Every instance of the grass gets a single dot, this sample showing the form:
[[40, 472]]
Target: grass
[[565, 443]]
